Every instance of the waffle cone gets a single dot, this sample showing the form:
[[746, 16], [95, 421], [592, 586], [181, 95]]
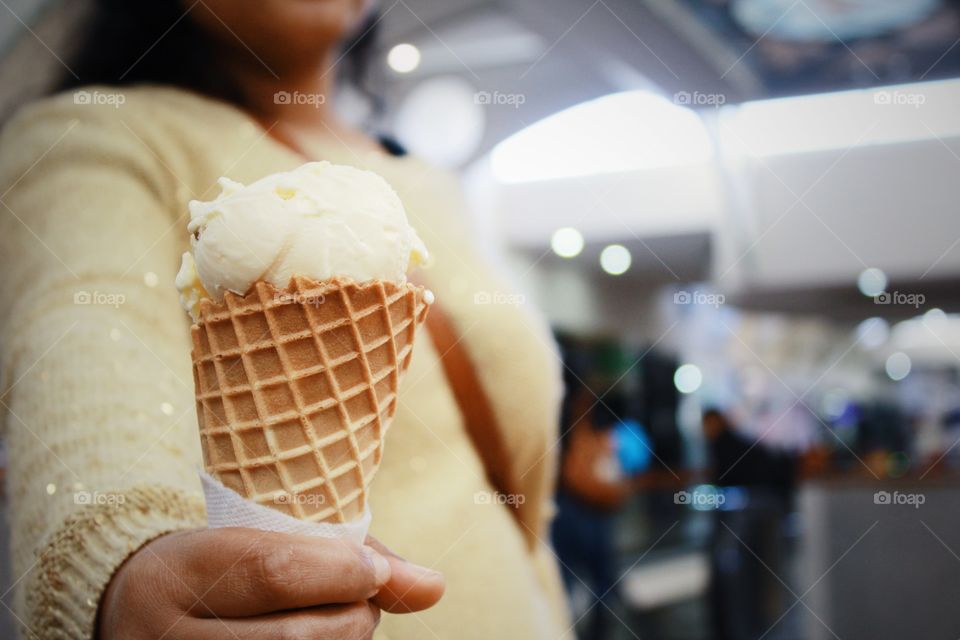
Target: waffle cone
[[296, 388]]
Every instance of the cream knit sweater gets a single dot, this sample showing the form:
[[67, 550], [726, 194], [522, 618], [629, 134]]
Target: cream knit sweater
[[97, 393]]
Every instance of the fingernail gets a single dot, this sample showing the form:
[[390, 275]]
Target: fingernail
[[381, 568], [423, 571]]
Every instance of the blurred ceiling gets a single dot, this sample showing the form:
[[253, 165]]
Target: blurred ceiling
[[562, 52]]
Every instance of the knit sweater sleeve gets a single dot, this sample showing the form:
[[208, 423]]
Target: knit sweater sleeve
[[96, 385]]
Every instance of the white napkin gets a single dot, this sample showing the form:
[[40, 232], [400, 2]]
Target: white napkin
[[227, 508]]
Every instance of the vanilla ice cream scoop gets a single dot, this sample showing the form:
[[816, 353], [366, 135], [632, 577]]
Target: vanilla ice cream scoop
[[319, 221]]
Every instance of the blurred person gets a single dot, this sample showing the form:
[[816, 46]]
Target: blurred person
[[757, 483], [593, 488], [738, 461], [98, 397]]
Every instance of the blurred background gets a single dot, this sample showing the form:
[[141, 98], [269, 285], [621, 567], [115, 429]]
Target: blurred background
[[742, 219]]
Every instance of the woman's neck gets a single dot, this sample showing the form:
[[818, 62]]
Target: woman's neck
[[297, 98], [299, 103]]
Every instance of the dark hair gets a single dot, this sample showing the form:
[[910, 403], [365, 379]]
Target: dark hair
[[127, 42]]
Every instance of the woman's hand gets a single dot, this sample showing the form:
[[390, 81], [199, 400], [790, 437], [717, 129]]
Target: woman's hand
[[240, 584]]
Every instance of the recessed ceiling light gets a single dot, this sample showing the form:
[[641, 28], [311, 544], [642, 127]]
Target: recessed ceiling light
[[567, 242], [615, 259], [687, 378], [872, 282], [403, 58]]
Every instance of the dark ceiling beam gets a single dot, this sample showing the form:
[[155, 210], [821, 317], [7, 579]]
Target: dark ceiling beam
[[712, 49]]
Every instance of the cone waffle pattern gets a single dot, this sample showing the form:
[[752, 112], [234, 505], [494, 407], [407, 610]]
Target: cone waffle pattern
[[296, 388]]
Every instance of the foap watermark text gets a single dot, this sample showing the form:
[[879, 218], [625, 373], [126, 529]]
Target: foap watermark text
[[495, 497], [99, 298], [497, 99], [307, 499], [700, 498], [699, 99], [298, 97], [115, 100], [900, 298], [98, 498], [285, 297], [898, 98], [914, 500], [699, 298], [499, 297]]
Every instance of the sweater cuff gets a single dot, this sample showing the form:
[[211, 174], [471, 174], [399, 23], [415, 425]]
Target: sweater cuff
[[61, 596]]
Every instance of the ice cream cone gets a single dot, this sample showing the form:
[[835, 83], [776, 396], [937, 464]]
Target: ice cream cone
[[296, 388]]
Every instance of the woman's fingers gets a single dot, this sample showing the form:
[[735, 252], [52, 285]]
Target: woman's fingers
[[355, 621], [410, 588], [244, 572], [235, 584]]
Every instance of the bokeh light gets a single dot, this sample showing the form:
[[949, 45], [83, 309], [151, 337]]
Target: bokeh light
[[873, 332], [872, 282], [403, 58], [687, 378], [898, 366], [567, 242], [615, 259]]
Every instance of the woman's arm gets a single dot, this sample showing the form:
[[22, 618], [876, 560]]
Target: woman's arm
[[97, 389], [98, 403]]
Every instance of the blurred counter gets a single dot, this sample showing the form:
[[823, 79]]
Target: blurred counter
[[880, 559]]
